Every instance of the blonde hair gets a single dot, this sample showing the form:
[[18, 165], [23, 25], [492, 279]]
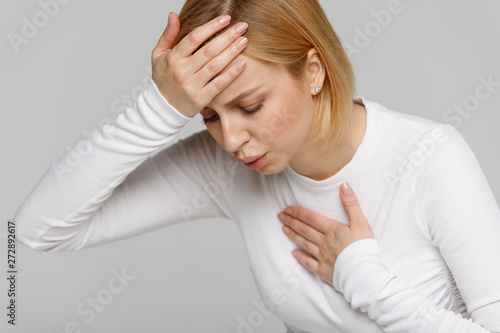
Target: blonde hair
[[283, 32]]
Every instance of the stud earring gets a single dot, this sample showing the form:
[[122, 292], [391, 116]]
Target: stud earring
[[318, 90]]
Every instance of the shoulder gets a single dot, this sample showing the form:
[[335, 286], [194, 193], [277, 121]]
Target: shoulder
[[400, 121], [411, 133]]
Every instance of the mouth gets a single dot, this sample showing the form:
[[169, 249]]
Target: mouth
[[254, 162]]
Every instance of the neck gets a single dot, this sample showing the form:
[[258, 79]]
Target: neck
[[328, 162]]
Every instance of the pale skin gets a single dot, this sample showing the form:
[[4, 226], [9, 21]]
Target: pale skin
[[211, 81]]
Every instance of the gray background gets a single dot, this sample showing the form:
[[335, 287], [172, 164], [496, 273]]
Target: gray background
[[195, 277]]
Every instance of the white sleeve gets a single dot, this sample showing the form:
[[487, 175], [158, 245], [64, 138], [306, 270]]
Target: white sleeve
[[463, 219], [110, 187]]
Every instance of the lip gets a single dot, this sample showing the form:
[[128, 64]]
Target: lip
[[254, 162], [250, 159]]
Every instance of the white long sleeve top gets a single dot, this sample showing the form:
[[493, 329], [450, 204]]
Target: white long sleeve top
[[434, 265]]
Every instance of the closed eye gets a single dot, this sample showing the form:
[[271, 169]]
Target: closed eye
[[249, 112]]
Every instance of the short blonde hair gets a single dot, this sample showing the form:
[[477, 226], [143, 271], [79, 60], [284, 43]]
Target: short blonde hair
[[283, 32]]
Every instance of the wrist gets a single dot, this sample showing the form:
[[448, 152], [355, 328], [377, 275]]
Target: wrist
[[169, 104]]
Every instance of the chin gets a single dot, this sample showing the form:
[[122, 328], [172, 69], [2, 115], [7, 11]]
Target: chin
[[266, 172]]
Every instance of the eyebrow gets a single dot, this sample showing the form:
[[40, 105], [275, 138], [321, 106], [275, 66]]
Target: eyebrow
[[240, 97]]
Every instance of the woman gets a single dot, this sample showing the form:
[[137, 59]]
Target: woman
[[415, 249]]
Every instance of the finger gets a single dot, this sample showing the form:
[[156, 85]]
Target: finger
[[302, 242], [166, 41], [314, 219], [210, 51], [221, 81], [302, 228], [198, 36], [214, 67], [307, 261], [351, 204]]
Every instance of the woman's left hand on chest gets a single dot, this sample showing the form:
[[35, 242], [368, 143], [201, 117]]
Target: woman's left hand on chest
[[321, 239]]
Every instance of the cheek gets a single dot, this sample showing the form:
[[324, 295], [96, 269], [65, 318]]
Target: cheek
[[281, 120]]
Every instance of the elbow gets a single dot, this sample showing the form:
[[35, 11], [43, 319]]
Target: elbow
[[27, 228], [42, 237], [27, 235], [46, 229]]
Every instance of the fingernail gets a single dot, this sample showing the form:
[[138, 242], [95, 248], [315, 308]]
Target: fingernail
[[346, 188], [288, 211], [242, 42], [241, 27], [169, 18], [224, 19]]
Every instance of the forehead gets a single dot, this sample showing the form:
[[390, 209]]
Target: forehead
[[256, 73]]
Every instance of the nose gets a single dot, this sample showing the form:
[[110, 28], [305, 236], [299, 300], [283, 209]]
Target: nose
[[234, 132]]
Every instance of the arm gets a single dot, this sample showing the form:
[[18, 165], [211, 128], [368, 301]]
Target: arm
[[117, 190], [85, 199], [463, 220]]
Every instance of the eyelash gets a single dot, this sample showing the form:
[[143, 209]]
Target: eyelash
[[247, 112]]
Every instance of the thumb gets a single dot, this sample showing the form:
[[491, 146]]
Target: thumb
[[351, 204], [166, 42]]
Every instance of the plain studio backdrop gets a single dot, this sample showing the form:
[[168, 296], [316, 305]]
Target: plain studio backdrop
[[68, 69]]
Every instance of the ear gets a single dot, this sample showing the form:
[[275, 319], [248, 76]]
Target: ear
[[316, 71]]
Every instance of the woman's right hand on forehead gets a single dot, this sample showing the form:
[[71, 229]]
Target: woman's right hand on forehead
[[189, 82]]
